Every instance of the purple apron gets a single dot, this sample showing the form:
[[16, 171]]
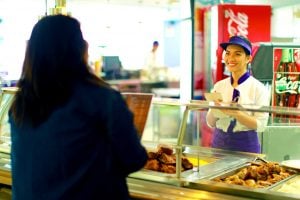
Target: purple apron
[[236, 141]]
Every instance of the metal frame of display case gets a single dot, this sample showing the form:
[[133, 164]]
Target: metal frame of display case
[[182, 127], [200, 105], [178, 179], [4, 107], [5, 175]]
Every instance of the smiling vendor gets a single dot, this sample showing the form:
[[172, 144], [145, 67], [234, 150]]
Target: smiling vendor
[[237, 130]]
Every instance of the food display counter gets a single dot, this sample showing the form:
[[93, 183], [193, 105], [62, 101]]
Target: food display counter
[[6, 97], [148, 190], [181, 168], [209, 164], [217, 163]]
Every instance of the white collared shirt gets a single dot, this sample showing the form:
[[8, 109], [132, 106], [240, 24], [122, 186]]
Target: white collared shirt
[[252, 92]]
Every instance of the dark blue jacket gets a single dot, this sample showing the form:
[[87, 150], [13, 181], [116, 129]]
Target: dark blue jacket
[[84, 150]]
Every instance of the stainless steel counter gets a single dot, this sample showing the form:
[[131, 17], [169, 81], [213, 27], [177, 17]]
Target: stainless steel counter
[[191, 185], [236, 190], [140, 189]]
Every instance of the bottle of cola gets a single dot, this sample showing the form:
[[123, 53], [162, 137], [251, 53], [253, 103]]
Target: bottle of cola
[[284, 78], [297, 63], [281, 98], [298, 106], [279, 75], [292, 79]]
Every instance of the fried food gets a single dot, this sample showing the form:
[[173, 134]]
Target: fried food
[[164, 148], [152, 155], [186, 163], [164, 160], [152, 164], [168, 169], [258, 175], [167, 159]]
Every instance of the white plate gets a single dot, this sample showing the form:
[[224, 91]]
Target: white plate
[[291, 163]]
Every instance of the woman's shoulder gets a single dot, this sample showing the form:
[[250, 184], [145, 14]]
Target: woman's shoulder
[[92, 92], [258, 86], [256, 82], [90, 88], [95, 99]]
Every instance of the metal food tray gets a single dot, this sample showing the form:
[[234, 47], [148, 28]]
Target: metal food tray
[[184, 174], [166, 178], [237, 169], [289, 180], [229, 172]]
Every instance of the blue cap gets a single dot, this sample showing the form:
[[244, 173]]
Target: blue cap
[[238, 40]]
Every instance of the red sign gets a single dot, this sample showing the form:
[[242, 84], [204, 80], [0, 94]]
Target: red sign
[[253, 22]]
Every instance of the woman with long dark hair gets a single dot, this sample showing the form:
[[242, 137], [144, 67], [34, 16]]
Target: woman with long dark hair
[[73, 136]]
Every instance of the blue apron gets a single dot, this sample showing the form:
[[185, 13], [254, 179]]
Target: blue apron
[[236, 141]]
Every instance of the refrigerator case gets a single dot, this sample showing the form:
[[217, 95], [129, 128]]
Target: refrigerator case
[[278, 64], [282, 130], [286, 91]]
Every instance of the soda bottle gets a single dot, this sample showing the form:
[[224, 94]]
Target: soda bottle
[[280, 83], [292, 78], [297, 75], [293, 84], [298, 107], [278, 95]]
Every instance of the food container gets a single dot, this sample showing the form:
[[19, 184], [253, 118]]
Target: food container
[[256, 175], [164, 161], [291, 186]]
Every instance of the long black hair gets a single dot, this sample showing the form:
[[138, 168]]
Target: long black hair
[[55, 59]]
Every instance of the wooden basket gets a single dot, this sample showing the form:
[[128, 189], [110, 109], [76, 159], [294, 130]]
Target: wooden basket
[[139, 104]]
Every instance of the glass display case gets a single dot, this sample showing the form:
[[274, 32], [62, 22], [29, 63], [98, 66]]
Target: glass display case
[[179, 125], [190, 166], [6, 97]]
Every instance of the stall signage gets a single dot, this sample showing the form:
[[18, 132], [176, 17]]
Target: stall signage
[[237, 23]]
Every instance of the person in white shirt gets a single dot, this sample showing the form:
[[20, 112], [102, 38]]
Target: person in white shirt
[[154, 64], [237, 130], [155, 56]]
